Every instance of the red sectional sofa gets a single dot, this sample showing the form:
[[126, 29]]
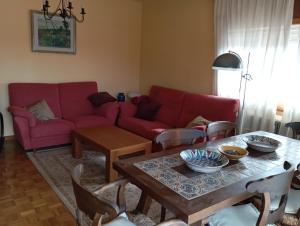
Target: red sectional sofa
[[177, 109], [69, 103]]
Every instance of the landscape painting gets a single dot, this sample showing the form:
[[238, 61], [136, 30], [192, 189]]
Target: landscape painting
[[55, 35]]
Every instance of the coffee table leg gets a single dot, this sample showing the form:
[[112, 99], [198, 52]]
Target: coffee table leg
[[148, 148], [111, 174], [76, 148]]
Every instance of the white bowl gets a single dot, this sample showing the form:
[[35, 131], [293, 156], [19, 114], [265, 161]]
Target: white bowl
[[204, 161], [262, 143]]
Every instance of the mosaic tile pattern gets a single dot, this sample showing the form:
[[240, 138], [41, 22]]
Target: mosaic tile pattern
[[162, 169]]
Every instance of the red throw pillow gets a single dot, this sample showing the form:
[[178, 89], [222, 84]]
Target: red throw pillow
[[139, 99], [97, 99], [147, 109]]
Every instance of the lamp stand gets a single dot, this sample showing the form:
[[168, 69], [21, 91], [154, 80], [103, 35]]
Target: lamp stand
[[247, 77]]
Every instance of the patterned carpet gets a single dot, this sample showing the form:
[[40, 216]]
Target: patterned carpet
[[55, 166]]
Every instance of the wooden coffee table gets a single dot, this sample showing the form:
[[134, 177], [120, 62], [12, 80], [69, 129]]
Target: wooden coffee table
[[112, 141]]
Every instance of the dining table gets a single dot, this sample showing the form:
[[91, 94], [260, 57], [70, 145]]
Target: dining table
[[193, 196]]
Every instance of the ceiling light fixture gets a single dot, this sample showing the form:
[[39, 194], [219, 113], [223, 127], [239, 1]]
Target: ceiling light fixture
[[64, 10]]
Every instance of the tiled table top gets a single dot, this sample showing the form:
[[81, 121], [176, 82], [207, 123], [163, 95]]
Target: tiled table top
[[171, 171]]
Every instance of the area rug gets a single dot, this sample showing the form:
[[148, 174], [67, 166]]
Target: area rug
[[55, 166]]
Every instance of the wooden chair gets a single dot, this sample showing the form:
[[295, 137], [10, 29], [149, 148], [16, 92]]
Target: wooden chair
[[220, 129], [95, 206], [267, 188], [175, 137], [295, 126], [293, 201]]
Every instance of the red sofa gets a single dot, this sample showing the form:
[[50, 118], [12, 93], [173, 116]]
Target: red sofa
[[69, 103], [178, 108]]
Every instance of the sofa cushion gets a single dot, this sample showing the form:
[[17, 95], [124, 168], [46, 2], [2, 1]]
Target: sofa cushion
[[73, 98], [90, 121], [147, 109], [26, 94], [97, 99], [210, 107], [171, 103], [52, 128], [41, 110], [147, 129]]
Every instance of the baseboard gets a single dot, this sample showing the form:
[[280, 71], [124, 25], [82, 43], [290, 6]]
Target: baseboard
[[10, 138]]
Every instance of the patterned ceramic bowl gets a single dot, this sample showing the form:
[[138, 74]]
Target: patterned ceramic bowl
[[262, 143], [233, 152], [203, 161]]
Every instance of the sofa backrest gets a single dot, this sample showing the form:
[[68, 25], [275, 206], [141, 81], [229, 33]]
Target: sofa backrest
[[73, 98], [213, 108], [171, 102], [26, 94]]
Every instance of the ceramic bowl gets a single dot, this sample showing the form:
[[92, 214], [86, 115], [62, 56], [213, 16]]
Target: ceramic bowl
[[262, 143], [204, 161], [233, 152]]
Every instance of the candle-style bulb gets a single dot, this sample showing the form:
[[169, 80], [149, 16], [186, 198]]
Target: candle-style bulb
[[82, 11]]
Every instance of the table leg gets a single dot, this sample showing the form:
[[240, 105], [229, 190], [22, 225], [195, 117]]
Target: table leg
[[144, 204], [76, 148], [148, 148], [111, 174], [163, 214]]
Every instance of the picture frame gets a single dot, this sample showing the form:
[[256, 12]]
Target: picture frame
[[53, 35]]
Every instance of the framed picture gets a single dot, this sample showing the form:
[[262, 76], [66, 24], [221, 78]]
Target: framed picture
[[53, 35]]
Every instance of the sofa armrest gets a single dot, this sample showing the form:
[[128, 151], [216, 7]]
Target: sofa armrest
[[23, 113], [22, 132], [108, 110], [127, 109]]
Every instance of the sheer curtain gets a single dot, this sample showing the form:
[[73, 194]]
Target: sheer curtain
[[289, 71], [261, 28]]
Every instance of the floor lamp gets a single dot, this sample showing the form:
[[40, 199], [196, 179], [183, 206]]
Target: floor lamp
[[233, 62]]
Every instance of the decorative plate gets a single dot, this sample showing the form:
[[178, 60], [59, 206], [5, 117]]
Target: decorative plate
[[262, 143], [203, 161], [233, 152]]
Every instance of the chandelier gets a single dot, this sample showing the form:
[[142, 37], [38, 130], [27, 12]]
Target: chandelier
[[64, 10]]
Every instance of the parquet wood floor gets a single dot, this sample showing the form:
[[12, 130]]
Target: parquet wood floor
[[25, 197]]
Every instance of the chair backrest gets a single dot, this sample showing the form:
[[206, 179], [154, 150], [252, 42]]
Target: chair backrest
[[174, 137], [296, 181], [220, 129], [173, 222], [295, 126], [271, 187], [87, 202]]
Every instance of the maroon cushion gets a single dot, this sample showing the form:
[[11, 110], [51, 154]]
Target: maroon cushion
[[97, 99], [147, 109], [139, 99]]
